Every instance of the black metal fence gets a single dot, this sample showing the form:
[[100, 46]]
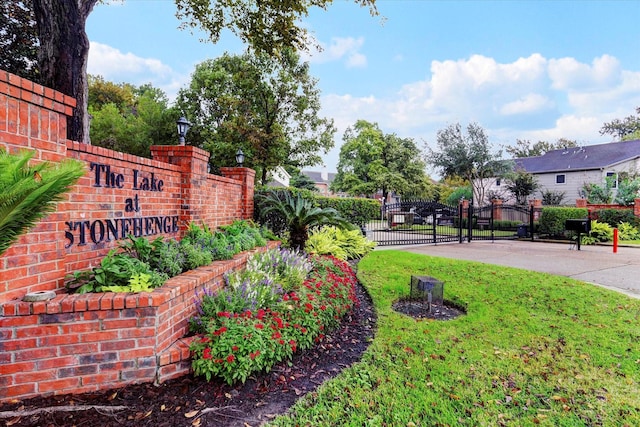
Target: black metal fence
[[421, 221]]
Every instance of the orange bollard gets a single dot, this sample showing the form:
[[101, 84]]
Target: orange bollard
[[615, 240]]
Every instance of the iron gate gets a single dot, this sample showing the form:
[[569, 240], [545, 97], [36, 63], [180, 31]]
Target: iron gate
[[498, 222], [413, 222]]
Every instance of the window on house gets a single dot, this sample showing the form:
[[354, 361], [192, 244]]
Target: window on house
[[614, 179], [560, 178], [498, 182]]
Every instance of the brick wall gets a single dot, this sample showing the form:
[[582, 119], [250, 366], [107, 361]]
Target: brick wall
[[75, 343]]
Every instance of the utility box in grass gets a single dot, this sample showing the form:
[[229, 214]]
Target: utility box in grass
[[427, 289]]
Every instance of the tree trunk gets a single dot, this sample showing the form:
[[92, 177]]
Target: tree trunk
[[63, 56]]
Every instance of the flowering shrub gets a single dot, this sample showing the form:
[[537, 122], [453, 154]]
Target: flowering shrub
[[235, 344], [287, 268]]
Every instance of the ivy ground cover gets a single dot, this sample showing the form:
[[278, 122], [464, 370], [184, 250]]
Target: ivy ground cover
[[533, 349]]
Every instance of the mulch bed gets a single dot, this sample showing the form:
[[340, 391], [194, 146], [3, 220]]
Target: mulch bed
[[420, 310], [191, 401]]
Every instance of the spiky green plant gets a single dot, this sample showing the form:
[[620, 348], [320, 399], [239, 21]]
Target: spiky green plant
[[28, 192], [299, 214]]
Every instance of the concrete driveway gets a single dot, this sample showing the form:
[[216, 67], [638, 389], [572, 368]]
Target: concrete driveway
[[594, 264]]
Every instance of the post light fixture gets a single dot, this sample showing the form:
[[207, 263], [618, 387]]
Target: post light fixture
[[183, 128], [240, 157]]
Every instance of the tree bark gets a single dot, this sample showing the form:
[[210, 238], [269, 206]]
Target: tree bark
[[63, 56]]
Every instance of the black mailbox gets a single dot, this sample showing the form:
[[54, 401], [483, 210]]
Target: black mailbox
[[578, 225]]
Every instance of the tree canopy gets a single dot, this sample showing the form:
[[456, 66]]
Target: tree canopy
[[521, 184], [266, 105], [625, 129], [19, 40], [524, 147], [468, 156], [128, 118], [266, 25], [372, 161]]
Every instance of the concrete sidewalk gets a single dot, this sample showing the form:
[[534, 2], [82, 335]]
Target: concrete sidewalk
[[594, 264]]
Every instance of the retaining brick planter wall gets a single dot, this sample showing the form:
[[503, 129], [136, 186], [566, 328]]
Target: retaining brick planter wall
[[79, 343]]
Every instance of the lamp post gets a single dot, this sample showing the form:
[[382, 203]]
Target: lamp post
[[183, 128], [240, 157]]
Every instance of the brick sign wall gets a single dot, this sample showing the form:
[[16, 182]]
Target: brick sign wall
[[76, 343], [119, 194]]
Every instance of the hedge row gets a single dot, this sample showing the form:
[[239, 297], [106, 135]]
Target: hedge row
[[358, 211]]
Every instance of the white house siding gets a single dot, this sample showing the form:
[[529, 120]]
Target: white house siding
[[572, 187]]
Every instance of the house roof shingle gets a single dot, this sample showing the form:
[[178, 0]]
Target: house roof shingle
[[317, 177], [599, 156]]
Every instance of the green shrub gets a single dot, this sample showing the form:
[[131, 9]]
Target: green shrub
[[115, 271], [552, 219], [613, 217], [506, 225], [343, 244], [356, 210], [600, 232], [627, 231]]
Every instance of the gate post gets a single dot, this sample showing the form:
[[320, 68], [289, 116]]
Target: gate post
[[469, 222]]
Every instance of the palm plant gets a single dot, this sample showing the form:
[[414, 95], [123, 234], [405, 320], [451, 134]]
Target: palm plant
[[298, 215], [28, 193]]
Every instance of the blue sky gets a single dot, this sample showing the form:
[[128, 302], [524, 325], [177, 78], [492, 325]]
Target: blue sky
[[537, 70]]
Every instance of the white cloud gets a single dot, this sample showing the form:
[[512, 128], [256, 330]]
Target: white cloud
[[117, 66], [340, 49], [530, 98], [569, 74], [529, 103]]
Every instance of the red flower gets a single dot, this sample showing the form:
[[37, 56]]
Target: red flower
[[230, 358], [281, 342], [276, 335], [220, 331], [206, 354], [234, 348], [260, 314], [224, 314], [259, 326], [279, 323], [254, 354]]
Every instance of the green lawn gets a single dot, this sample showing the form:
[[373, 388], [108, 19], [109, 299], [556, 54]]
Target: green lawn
[[533, 349]]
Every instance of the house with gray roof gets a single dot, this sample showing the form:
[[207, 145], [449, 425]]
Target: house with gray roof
[[322, 180], [568, 170]]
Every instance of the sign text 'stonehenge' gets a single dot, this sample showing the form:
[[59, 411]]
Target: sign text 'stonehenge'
[[80, 232]]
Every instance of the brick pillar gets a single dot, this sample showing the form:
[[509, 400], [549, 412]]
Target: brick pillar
[[465, 208], [636, 207], [194, 163], [581, 203], [537, 208], [497, 209], [247, 177]]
